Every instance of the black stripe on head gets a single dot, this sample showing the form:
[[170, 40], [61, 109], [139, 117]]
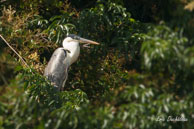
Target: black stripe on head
[[73, 36]]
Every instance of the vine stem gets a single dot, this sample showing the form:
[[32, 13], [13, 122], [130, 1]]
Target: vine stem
[[14, 51]]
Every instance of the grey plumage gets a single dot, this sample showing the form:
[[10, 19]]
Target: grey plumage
[[57, 69], [57, 72]]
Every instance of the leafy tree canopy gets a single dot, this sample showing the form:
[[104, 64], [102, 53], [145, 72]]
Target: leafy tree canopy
[[141, 74]]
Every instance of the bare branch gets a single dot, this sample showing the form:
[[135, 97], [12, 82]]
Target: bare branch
[[14, 51]]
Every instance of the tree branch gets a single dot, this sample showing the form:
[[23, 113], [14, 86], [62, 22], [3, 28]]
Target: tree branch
[[14, 51]]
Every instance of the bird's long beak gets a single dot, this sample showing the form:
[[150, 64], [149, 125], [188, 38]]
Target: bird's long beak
[[82, 40]]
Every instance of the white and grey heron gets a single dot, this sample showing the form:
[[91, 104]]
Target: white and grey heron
[[57, 69]]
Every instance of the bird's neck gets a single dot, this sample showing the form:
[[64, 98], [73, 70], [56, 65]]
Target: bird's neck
[[74, 49]]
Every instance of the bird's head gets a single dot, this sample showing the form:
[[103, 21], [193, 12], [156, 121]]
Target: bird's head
[[71, 45], [72, 38]]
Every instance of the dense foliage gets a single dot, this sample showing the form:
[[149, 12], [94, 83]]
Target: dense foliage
[[140, 76]]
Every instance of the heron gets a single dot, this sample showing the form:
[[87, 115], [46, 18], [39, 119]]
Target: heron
[[56, 70]]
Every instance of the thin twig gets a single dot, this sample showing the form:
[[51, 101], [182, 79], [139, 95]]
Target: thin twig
[[14, 51]]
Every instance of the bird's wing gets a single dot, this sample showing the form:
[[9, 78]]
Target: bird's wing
[[56, 70]]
